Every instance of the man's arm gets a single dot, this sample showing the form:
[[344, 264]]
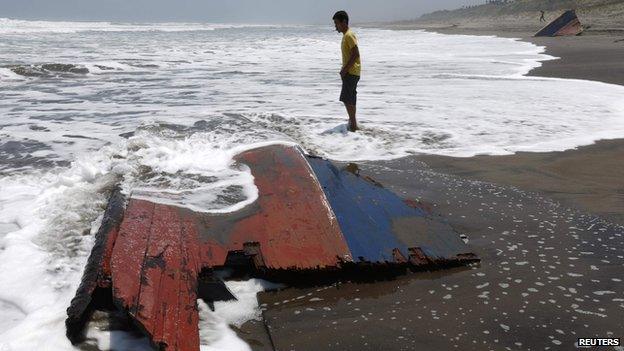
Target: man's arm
[[355, 54]]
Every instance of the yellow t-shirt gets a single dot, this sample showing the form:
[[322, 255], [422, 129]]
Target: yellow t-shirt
[[349, 41]]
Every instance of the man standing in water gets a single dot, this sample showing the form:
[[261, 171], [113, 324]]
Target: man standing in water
[[351, 66]]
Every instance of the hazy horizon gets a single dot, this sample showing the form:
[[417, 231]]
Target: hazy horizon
[[232, 11]]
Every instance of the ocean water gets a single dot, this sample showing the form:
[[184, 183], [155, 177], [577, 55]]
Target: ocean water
[[162, 109]]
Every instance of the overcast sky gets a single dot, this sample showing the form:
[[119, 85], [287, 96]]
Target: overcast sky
[[249, 11]]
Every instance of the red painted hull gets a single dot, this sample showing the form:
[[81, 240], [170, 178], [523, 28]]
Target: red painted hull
[[153, 256], [161, 249]]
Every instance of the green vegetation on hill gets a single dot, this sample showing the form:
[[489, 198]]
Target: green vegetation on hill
[[601, 13]]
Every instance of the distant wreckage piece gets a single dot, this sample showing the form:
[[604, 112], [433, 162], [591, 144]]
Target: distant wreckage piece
[[566, 24], [312, 224]]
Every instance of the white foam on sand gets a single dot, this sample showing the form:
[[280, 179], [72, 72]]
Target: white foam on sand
[[42, 257], [198, 172], [215, 334], [214, 326]]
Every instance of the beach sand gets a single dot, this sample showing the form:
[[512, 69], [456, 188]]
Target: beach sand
[[596, 57], [547, 226]]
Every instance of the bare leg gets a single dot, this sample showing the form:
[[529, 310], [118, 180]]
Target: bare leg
[[352, 122]]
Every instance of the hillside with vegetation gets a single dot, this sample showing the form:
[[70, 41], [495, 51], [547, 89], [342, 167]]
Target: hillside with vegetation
[[520, 14]]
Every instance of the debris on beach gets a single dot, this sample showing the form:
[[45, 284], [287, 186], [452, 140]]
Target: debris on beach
[[311, 224], [566, 24]]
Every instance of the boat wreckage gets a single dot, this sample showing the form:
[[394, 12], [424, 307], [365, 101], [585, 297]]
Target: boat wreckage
[[312, 223], [566, 24]]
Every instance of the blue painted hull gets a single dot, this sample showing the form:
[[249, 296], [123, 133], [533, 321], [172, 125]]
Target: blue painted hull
[[378, 225]]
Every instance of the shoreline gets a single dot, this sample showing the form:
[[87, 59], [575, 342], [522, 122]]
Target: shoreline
[[586, 177], [595, 55]]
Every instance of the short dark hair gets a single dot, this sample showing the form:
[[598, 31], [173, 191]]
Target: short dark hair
[[341, 16]]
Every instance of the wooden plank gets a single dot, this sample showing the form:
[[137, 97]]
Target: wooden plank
[[188, 329], [97, 271], [208, 239], [378, 225], [291, 221], [158, 285], [293, 224], [364, 211], [168, 309], [574, 27], [129, 252]]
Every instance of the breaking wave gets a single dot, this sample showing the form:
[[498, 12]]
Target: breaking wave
[[15, 26], [47, 69]]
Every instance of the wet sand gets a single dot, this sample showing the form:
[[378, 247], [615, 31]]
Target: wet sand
[[547, 226], [589, 178], [598, 57], [549, 274]]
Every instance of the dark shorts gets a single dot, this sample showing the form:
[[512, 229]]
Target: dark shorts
[[348, 95]]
